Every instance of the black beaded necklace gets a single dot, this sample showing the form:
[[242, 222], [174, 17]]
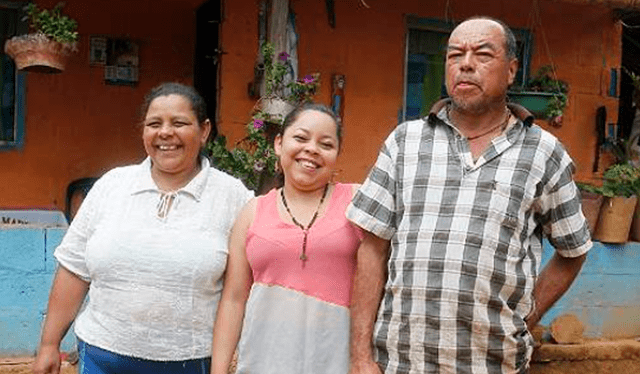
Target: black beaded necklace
[[305, 230], [501, 126]]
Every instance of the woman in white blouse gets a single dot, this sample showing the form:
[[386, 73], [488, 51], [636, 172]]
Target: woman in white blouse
[[149, 247]]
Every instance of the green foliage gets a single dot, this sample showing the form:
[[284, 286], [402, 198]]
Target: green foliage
[[621, 180], [52, 23], [253, 159], [275, 70], [589, 188]]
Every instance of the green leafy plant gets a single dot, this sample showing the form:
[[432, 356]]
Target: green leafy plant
[[52, 23], [296, 92], [253, 159], [589, 188], [544, 80], [621, 180]]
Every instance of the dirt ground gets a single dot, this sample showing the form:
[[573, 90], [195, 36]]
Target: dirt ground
[[23, 366], [589, 357]]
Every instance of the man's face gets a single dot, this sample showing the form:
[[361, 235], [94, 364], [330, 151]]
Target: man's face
[[478, 71]]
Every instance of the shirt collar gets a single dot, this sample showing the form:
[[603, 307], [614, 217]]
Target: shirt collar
[[144, 182], [519, 111]]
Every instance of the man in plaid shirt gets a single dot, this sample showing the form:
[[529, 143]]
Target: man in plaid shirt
[[454, 211]]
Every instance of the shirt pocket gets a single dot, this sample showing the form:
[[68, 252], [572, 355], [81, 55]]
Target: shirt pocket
[[507, 207]]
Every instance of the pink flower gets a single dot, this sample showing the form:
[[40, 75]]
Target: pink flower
[[558, 119], [258, 123], [308, 79], [283, 56]]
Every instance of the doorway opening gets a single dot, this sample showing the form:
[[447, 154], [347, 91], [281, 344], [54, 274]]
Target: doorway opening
[[630, 64], [207, 56]]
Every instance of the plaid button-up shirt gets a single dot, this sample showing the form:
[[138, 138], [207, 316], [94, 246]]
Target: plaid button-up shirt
[[466, 242]]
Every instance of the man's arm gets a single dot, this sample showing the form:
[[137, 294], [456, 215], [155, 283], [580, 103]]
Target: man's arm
[[368, 285], [553, 282]]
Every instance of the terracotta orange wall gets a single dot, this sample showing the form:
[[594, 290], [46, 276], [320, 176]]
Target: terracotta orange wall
[[76, 126], [367, 45]]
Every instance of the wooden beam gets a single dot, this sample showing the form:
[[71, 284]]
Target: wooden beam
[[278, 24]]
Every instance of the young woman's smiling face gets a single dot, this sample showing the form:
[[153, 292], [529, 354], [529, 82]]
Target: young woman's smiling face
[[173, 137], [308, 150]]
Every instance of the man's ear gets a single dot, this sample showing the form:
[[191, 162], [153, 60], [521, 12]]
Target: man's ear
[[513, 69]]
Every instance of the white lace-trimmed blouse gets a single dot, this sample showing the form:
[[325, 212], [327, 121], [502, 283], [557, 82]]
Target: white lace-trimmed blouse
[[155, 262]]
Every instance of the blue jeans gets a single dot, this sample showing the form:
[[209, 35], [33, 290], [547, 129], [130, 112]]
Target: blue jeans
[[94, 360]]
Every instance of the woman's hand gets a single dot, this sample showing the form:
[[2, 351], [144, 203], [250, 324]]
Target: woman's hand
[[66, 297], [47, 361]]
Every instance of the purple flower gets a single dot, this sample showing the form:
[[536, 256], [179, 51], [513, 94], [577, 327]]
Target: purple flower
[[259, 166], [283, 56], [258, 123], [308, 79]]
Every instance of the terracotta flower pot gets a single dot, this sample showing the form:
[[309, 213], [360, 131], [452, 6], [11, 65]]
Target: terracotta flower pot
[[591, 203], [635, 225], [615, 218], [38, 53]]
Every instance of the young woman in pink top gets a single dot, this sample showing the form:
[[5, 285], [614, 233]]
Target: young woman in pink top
[[285, 302]]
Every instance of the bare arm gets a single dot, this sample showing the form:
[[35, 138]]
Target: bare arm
[[235, 292], [368, 285], [66, 297], [553, 282]]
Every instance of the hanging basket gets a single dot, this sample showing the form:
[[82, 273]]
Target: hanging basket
[[37, 53], [536, 102]]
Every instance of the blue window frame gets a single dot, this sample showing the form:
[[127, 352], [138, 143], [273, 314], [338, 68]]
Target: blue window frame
[[426, 46], [12, 82]]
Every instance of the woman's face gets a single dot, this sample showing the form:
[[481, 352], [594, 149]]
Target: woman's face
[[308, 150], [173, 137]]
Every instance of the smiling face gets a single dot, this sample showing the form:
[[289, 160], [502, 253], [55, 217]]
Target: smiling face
[[308, 150], [478, 70], [173, 138]]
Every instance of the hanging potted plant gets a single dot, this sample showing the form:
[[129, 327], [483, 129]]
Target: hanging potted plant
[[544, 95], [280, 98], [253, 159], [620, 186], [47, 48]]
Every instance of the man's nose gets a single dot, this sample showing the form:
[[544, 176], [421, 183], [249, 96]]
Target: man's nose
[[467, 62]]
